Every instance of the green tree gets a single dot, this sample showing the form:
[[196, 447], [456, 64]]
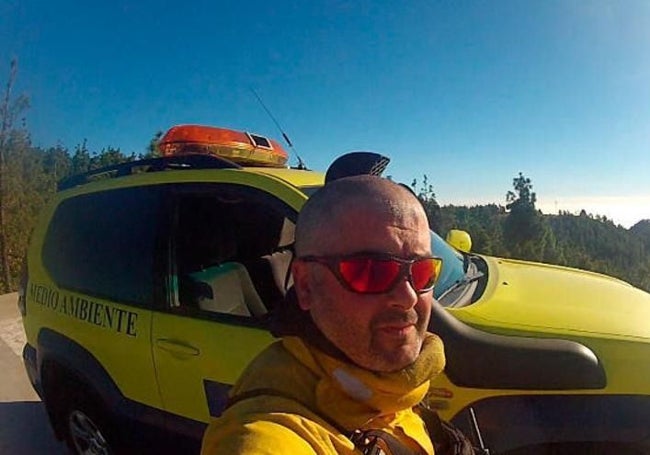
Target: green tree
[[10, 137], [108, 157], [57, 165], [152, 148], [525, 233], [427, 196], [483, 222], [28, 189], [81, 159]]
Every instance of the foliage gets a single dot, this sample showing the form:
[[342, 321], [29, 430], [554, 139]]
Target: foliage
[[427, 196], [585, 241], [591, 243], [524, 230], [25, 188], [31, 176], [152, 148], [483, 222], [11, 138]]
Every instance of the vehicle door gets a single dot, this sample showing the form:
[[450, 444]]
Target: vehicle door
[[101, 252], [226, 270]]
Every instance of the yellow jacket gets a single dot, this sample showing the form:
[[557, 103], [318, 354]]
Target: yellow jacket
[[299, 397]]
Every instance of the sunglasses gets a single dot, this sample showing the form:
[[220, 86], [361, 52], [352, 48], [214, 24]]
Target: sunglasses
[[380, 273]]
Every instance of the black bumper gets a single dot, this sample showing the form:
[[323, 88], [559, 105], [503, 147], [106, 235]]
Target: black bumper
[[31, 367]]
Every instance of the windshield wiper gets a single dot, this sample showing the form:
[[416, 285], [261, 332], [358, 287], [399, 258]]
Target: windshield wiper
[[466, 263], [467, 279]]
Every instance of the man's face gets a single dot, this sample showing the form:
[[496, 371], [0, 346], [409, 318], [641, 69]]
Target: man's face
[[379, 332]]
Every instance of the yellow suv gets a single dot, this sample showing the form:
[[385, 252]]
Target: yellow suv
[[149, 286]]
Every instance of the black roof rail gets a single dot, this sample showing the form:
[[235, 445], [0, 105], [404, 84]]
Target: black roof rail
[[176, 162]]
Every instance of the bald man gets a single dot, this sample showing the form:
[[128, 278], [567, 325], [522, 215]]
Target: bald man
[[355, 357]]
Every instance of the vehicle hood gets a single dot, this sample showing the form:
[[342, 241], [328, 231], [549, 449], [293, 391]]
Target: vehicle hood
[[527, 296]]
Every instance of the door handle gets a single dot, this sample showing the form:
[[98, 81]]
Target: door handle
[[176, 347]]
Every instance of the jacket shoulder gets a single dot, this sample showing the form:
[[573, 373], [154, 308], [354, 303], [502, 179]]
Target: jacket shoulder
[[255, 426], [276, 369]]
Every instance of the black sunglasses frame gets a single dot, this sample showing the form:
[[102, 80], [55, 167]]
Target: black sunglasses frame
[[405, 265]]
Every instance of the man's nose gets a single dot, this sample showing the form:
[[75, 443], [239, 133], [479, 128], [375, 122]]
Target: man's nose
[[403, 295]]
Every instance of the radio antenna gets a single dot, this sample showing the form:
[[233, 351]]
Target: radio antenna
[[301, 164]]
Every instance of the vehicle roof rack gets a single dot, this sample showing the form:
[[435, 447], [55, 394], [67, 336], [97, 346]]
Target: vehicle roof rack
[[177, 162]]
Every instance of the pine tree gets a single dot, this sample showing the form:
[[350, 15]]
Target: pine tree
[[524, 231]]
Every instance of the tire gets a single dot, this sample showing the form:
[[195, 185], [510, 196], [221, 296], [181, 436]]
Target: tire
[[87, 430]]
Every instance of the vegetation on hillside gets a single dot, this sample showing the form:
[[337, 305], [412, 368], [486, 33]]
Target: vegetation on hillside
[[518, 230]]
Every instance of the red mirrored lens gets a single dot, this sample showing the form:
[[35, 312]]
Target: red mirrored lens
[[424, 273], [369, 275]]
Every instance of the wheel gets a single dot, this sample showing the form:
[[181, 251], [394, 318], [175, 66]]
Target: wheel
[[84, 435], [87, 430]]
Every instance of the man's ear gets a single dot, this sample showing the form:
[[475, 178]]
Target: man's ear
[[302, 284]]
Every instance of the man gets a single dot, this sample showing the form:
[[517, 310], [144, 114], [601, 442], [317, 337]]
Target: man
[[355, 354]]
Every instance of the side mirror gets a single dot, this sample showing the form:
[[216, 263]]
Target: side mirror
[[460, 240]]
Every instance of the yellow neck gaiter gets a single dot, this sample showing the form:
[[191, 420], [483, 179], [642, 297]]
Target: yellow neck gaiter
[[352, 396]]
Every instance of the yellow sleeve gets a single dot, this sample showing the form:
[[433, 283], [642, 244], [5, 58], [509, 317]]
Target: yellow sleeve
[[260, 437]]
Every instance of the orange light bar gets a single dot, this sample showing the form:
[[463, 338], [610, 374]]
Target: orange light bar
[[240, 147]]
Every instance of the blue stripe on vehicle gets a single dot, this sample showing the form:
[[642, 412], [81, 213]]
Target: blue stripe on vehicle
[[217, 396]]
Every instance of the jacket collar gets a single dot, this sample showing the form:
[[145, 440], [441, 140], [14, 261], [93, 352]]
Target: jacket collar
[[353, 396]]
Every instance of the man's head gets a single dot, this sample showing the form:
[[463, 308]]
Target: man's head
[[365, 215]]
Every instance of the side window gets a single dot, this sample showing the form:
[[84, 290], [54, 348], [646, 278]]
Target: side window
[[103, 244], [231, 249]]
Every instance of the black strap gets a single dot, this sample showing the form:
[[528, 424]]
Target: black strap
[[378, 442], [446, 438]]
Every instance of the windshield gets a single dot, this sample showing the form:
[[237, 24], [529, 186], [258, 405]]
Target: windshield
[[452, 264]]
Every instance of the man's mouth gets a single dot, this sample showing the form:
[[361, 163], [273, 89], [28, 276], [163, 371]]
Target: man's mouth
[[396, 329], [396, 320]]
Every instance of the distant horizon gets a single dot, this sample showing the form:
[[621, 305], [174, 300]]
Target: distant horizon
[[621, 211]]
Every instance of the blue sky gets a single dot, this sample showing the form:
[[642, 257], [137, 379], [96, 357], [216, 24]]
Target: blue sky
[[468, 92]]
